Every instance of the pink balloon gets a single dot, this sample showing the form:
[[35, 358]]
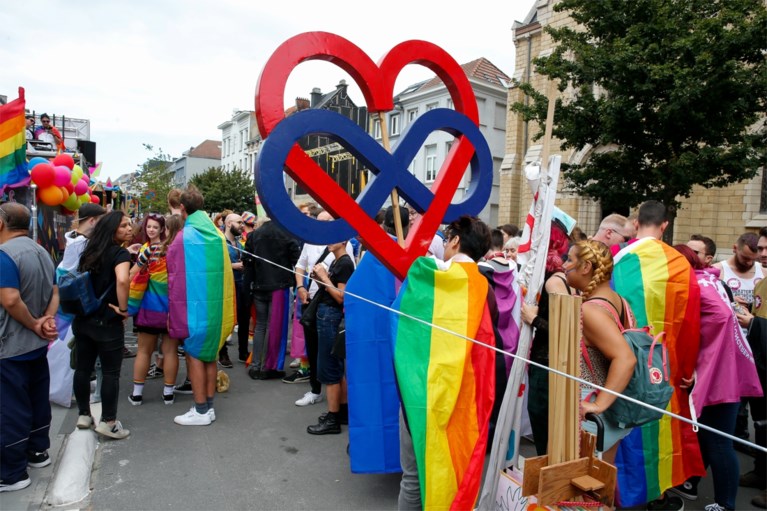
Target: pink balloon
[[61, 176], [81, 187], [64, 159], [95, 199]]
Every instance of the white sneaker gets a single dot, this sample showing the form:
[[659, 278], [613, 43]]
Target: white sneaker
[[84, 421], [309, 399], [115, 431], [192, 418], [296, 363], [212, 414]]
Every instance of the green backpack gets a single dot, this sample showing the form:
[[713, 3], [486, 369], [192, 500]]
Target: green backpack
[[650, 381]]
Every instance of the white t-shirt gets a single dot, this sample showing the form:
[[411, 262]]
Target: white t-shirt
[[309, 257]]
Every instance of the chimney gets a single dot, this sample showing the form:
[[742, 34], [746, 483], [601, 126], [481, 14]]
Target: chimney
[[302, 104], [316, 96], [341, 84]]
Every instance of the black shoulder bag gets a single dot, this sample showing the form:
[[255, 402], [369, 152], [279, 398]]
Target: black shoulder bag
[[309, 315]]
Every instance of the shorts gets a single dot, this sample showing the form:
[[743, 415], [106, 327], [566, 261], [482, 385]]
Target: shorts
[[151, 330], [330, 369], [613, 433]]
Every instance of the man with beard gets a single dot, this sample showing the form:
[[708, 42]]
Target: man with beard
[[740, 272], [232, 231]]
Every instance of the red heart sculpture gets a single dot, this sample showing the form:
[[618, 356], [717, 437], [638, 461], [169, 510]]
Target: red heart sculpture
[[377, 84]]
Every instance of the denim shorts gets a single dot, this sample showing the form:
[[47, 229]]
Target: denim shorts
[[613, 433], [330, 370]]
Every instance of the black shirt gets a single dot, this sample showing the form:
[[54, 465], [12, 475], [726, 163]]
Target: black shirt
[[340, 272], [104, 277]]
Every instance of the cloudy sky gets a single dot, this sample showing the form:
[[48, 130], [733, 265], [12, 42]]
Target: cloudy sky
[[167, 72]]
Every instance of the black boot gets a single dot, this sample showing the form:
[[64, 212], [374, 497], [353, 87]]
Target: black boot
[[328, 424]]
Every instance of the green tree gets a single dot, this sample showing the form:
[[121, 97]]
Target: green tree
[[675, 90], [153, 181], [222, 189]]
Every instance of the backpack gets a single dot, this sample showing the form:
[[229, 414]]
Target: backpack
[[76, 295], [650, 381]]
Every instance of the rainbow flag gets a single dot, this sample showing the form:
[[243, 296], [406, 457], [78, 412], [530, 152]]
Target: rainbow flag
[[200, 288], [13, 144], [447, 384], [276, 342], [662, 290]]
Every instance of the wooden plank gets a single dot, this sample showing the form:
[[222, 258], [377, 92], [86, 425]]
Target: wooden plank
[[587, 483], [532, 473], [554, 483]]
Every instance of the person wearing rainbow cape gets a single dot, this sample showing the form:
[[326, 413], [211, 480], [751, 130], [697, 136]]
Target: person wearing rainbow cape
[[447, 383], [201, 302]]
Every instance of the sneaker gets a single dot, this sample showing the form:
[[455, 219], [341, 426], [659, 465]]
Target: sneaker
[[753, 480], [309, 398], [38, 459], [714, 507], [296, 363], [180, 351], [760, 500], [18, 485], [666, 503], [329, 426], [115, 431], [192, 418], [168, 399], [254, 373], [128, 353], [212, 414], [184, 388], [154, 372], [225, 362], [242, 360], [84, 422], [272, 374], [135, 400], [686, 490], [297, 377]]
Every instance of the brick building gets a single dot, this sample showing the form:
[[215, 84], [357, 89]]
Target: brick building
[[720, 213]]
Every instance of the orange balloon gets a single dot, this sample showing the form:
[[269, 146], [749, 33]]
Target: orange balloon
[[51, 196]]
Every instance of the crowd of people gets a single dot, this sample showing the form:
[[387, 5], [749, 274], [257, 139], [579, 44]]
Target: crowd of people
[[190, 282]]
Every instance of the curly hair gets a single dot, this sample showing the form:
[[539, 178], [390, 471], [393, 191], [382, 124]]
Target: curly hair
[[596, 253]]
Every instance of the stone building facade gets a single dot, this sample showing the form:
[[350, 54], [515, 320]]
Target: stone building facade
[[721, 213]]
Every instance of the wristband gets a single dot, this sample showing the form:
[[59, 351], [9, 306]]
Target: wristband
[[300, 287], [122, 310]]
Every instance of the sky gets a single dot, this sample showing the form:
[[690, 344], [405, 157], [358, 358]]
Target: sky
[[168, 72]]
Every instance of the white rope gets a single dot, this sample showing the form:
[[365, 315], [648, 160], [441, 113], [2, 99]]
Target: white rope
[[506, 353]]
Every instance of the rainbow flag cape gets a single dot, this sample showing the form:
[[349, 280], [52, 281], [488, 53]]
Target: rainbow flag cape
[[372, 387], [200, 288], [447, 384], [277, 331], [662, 290], [13, 144]]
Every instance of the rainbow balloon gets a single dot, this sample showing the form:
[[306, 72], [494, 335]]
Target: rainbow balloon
[[447, 384], [200, 288], [663, 291]]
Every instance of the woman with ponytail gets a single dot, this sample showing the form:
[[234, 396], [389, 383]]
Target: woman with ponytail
[[538, 316], [607, 359]]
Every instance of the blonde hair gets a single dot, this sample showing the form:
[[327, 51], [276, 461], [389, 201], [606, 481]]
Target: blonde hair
[[596, 253], [174, 224]]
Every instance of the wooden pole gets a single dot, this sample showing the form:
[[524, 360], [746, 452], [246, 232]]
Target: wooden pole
[[394, 194], [551, 93]]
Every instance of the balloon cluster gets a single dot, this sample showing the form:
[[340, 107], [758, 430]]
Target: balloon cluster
[[61, 183]]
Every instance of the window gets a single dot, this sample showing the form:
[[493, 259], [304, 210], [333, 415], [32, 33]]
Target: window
[[377, 130], [499, 120], [394, 125], [432, 106], [431, 163], [450, 104], [411, 115]]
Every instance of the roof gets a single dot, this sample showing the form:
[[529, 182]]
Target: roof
[[479, 69], [208, 149]]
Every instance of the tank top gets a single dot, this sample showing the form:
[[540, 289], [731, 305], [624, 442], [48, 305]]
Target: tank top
[[741, 287]]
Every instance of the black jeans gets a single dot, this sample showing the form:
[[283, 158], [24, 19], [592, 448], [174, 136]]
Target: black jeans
[[312, 346], [263, 301], [244, 301], [106, 341]]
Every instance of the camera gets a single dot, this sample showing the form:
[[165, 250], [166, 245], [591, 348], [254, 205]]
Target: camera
[[48, 128]]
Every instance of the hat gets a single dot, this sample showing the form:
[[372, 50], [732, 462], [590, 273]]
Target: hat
[[90, 210], [248, 217]]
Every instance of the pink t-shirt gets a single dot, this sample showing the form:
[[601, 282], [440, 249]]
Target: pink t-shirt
[[725, 369]]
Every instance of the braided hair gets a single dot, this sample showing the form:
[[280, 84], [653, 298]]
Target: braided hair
[[601, 261]]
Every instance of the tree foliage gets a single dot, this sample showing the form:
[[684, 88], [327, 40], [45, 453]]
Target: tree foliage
[[670, 93], [153, 181], [226, 189]]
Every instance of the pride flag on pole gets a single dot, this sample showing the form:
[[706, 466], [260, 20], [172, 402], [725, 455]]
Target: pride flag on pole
[[663, 291], [447, 383], [13, 144]]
